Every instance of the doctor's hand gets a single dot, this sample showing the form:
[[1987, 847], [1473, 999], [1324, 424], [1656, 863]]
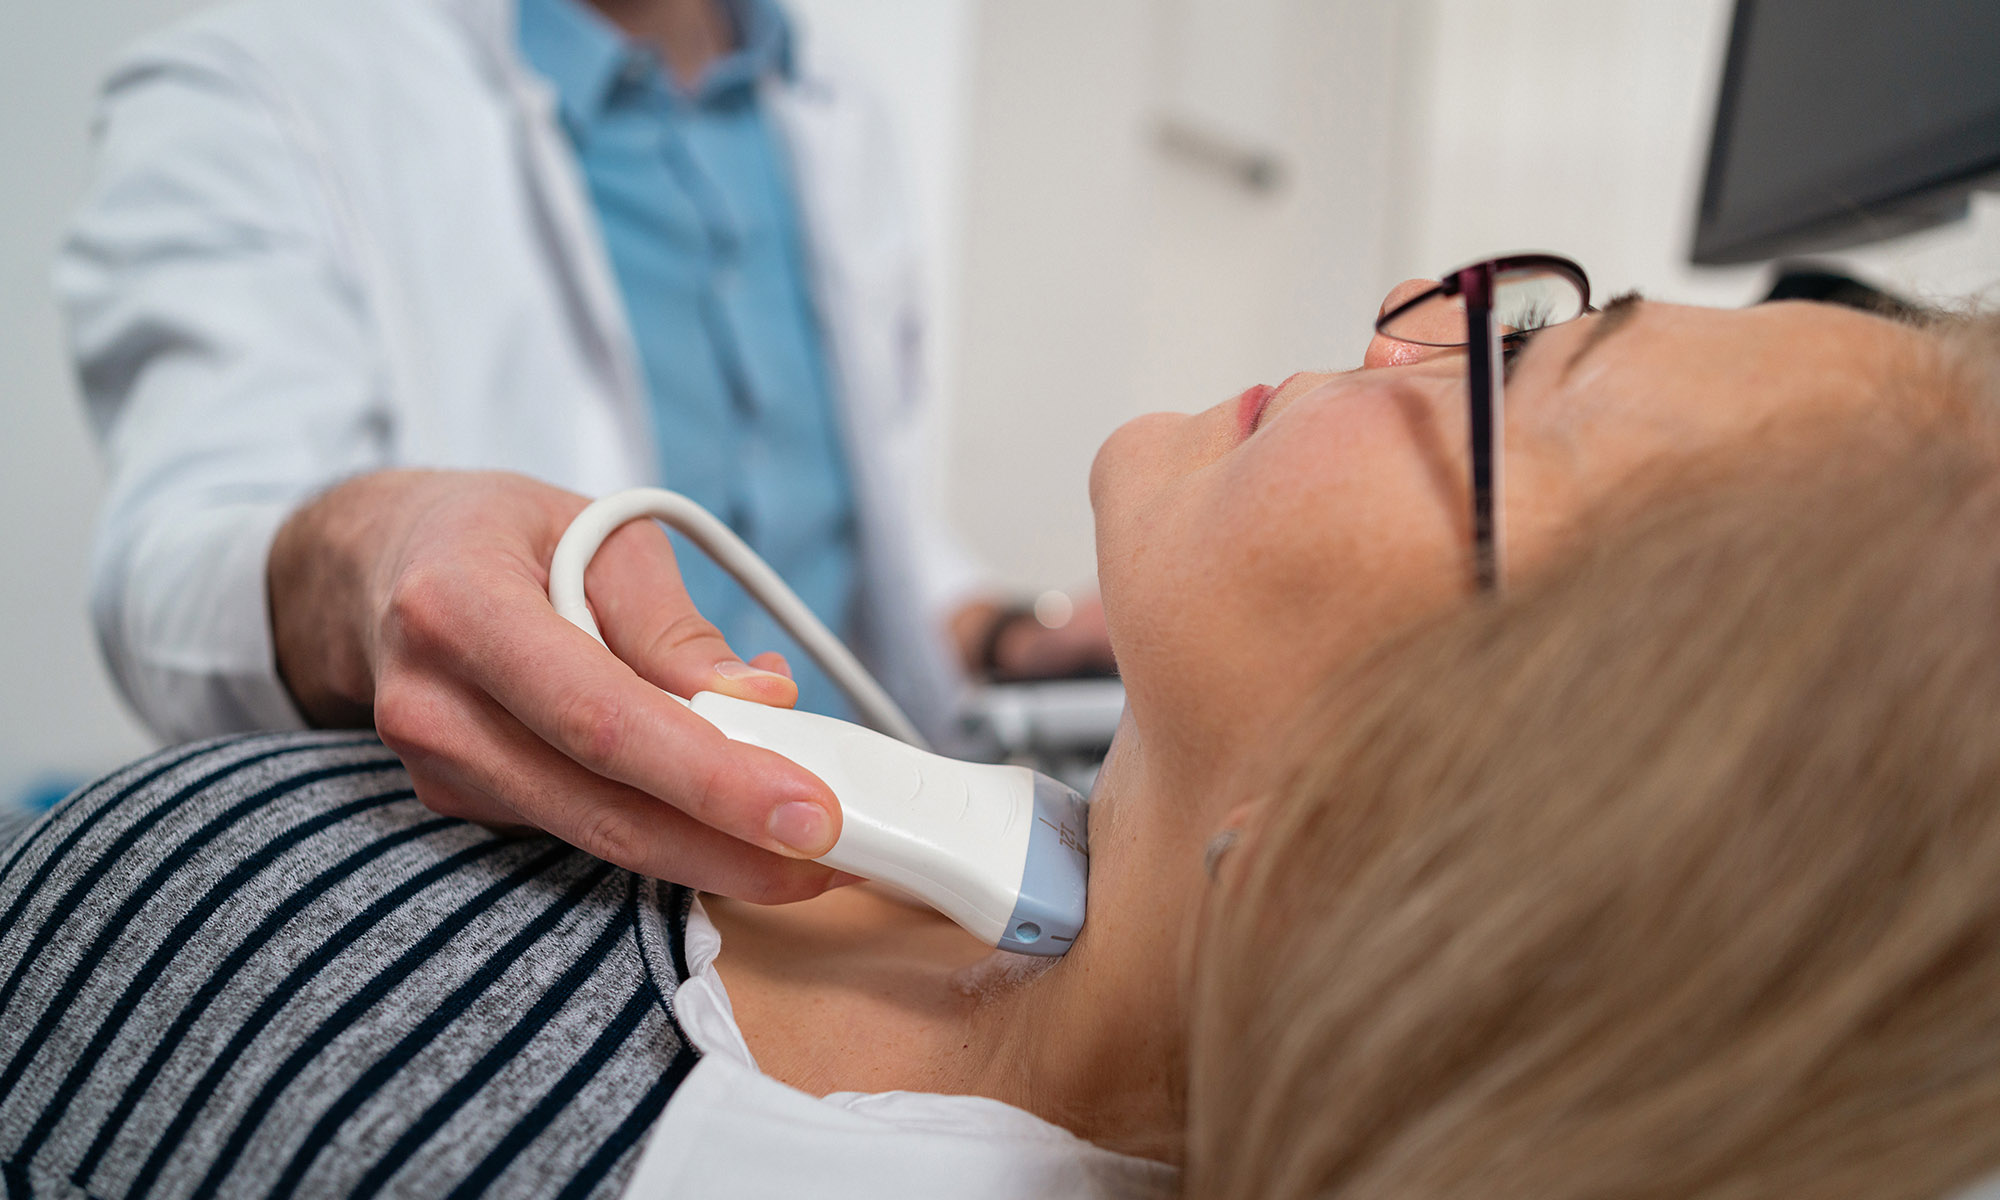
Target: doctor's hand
[[1059, 637], [418, 601]]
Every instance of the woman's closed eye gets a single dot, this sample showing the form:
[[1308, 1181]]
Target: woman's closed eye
[[1616, 312], [1511, 345]]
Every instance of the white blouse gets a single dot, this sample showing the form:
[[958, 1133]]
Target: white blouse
[[731, 1130]]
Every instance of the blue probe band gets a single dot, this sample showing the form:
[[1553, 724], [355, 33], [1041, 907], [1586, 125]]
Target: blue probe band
[[1055, 876]]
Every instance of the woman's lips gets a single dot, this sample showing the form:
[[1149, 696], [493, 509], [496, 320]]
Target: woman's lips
[[1250, 406]]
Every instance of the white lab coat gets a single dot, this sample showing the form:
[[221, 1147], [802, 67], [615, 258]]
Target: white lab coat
[[332, 236]]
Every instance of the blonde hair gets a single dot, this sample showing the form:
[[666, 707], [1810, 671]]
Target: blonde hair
[[1675, 872]]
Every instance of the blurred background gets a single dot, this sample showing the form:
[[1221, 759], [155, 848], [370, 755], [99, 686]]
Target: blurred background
[[1131, 204]]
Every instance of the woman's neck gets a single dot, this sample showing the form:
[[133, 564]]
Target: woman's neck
[[1080, 1045], [855, 991]]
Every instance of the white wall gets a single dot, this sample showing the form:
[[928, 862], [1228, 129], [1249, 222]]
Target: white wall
[[1104, 277], [1582, 126]]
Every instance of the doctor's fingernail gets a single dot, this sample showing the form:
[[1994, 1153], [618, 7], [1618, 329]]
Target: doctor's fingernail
[[733, 670], [802, 828]]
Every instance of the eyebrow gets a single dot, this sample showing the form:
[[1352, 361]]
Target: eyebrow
[[1615, 315]]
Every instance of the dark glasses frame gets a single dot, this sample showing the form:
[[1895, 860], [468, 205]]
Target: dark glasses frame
[[1476, 284]]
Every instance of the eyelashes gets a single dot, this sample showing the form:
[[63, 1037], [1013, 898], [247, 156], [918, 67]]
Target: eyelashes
[[1537, 317], [1516, 340]]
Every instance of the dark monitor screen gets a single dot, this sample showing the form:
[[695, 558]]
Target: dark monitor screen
[[1844, 121]]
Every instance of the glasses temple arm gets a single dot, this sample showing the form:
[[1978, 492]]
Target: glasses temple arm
[[1484, 382]]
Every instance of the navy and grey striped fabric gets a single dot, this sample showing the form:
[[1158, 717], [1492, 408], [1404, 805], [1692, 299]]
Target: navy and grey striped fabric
[[259, 967]]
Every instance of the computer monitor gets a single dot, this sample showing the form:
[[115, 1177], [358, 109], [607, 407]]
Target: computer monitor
[[1846, 121]]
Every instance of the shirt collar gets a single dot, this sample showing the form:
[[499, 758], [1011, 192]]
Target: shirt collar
[[584, 55], [763, 48]]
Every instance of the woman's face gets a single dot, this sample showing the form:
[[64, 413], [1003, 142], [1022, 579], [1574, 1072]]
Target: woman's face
[[1247, 551]]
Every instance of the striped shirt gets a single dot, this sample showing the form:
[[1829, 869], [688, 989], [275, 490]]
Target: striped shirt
[[258, 966]]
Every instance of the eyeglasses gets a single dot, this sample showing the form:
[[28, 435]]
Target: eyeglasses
[[1503, 302]]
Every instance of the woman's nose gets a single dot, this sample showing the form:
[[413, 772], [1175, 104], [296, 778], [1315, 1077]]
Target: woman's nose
[[1438, 322]]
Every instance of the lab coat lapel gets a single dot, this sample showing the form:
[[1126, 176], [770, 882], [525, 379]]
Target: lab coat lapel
[[862, 278], [568, 224]]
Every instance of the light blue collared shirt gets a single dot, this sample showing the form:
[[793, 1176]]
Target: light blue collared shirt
[[695, 198]]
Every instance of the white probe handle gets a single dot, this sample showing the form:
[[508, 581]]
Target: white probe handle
[[998, 849], [954, 834]]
